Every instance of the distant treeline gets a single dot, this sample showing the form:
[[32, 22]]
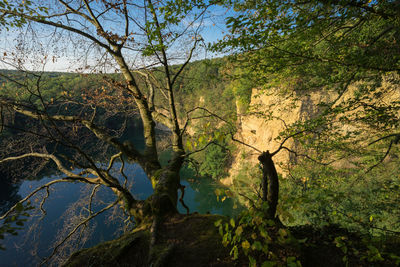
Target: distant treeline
[[202, 83]]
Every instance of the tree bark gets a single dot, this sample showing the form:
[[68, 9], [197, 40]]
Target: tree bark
[[166, 183], [270, 183]]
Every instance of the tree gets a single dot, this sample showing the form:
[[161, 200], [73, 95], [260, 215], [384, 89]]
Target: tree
[[345, 49], [122, 31]]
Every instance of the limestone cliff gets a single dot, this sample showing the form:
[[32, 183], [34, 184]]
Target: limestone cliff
[[273, 110], [269, 114]]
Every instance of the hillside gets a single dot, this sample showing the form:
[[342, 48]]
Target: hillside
[[258, 122]]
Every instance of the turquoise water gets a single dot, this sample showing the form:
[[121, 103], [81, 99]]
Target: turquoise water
[[33, 244]]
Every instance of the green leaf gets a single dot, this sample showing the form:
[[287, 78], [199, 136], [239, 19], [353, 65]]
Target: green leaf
[[268, 264], [239, 230], [235, 252], [256, 246], [264, 233], [252, 262], [226, 227], [345, 259]]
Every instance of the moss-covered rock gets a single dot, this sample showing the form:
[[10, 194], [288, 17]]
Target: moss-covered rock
[[182, 240], [132, 247]]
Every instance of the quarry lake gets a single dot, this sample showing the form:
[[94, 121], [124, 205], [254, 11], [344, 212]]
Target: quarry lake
[[68, 203]]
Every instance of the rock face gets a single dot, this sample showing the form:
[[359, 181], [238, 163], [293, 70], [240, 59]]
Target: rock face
[[268, 117], [271, 112]]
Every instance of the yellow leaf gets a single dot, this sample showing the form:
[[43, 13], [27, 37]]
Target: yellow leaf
[[239, 231], [188, 145], [201, 139], [245, 245]]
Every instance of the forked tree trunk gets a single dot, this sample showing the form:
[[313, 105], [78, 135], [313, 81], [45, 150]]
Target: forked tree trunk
[[166, 183], [270, 183]]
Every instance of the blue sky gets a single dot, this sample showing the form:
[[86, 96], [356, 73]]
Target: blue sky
[[63, 56]]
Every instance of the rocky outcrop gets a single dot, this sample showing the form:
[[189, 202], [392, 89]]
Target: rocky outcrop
[[182, 240], [269, 114], [271, 111]]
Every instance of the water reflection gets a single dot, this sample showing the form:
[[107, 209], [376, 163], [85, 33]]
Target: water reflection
[[199, 196], [8, 193]]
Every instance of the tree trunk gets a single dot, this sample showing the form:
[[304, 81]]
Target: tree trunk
[[270, 183]]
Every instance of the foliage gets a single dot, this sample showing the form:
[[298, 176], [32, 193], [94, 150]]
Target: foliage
[[267, 243], [345, 49], [246, 181], [9, 21], [211, 147], [214, 162], [296, 36], [259, 239], [242, 81], [325, 195], [344, 169], [201, 84]]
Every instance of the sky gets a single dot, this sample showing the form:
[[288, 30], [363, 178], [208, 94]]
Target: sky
[[44, 49]]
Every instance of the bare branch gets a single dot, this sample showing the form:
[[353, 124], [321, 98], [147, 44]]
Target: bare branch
[[157, 116], [44, 200], [397, 135], [68, 7], [382, 159], [113, 158], [126, 16], [232, 133], [85, 221], [130, 151], [307, 157], [253, 204], [182, 188], [95, 188], [121, 170], [281, 146], [41, 20], [60, 166], [33, 193], [186, 62], [243, 143], [203, 148]]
